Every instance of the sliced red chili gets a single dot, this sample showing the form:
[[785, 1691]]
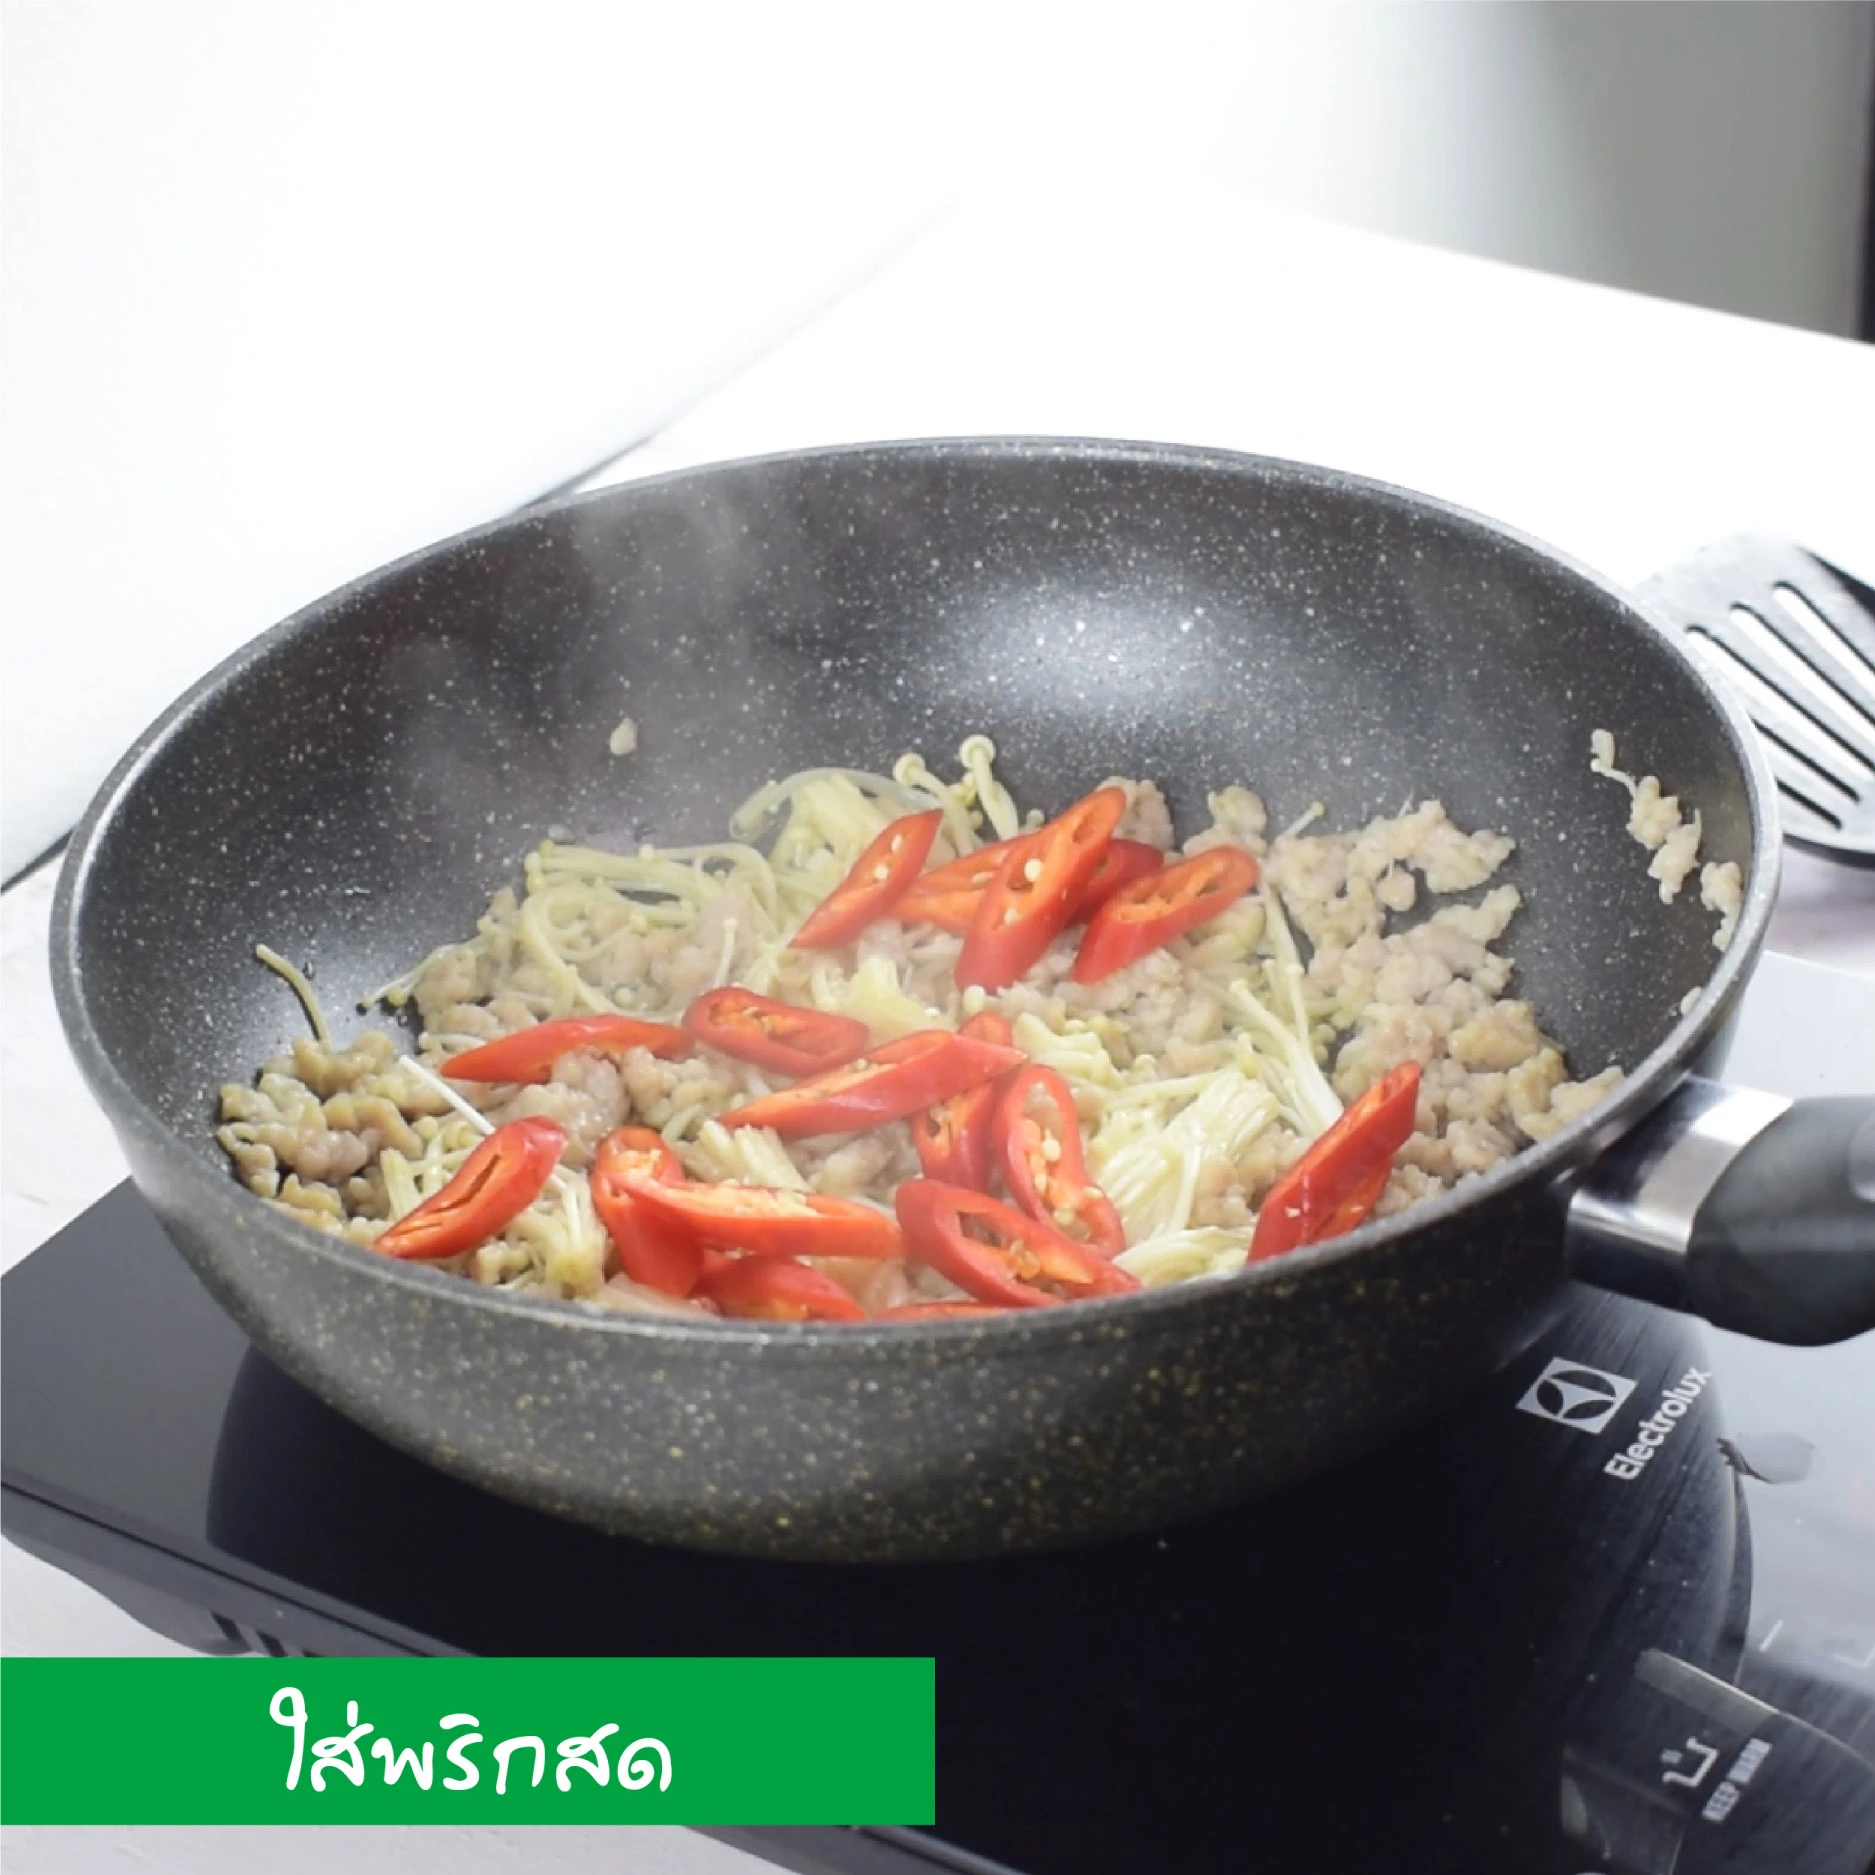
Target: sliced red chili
[[772, 1289], [1035, 891], [997, 1253], [1334, 1185], [1038, 1140], [1161, 906], [938, 1311], [880, 876], [948, 895], [892, 1082], [637, 1152], [782, 1037], [1122, 864], [956, 1137], [766, 1221], [528, 1055], [496, 1182], [652, 1248]]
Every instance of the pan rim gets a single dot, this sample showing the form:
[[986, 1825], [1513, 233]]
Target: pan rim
[[1548, 1161]]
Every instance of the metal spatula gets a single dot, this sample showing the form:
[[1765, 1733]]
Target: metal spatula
[[1794, 637]]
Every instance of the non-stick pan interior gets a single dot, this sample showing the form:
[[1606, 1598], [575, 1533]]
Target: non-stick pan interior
[[352, 790]]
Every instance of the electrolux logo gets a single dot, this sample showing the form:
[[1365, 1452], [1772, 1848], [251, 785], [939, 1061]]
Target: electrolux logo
[[1573, 1395], [1654, 1431]]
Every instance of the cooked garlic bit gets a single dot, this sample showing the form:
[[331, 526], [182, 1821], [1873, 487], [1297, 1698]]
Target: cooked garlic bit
[[1722, 889], [1655, 820]]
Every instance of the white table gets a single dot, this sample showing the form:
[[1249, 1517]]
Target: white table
[[1627, 431]]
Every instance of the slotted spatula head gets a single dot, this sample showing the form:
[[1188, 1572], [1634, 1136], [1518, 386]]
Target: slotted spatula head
[[1794, 638]]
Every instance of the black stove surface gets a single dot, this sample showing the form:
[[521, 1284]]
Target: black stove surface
[[1615, 1613]]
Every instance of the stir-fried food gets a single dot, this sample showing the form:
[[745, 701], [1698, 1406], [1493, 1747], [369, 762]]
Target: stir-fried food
[[893, 1052]]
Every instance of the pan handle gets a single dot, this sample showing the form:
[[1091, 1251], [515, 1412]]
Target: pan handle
[[1754, 1211]]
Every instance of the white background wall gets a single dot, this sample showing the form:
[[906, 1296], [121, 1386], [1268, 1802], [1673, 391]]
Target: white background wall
[[286, 289], [1703, 150]]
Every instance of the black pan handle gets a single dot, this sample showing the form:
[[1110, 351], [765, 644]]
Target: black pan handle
[[1754, 1211]]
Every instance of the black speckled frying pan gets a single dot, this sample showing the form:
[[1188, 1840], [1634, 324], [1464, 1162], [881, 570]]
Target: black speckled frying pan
[[352, 786]]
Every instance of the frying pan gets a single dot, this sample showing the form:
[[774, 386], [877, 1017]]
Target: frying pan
[[352, 786]]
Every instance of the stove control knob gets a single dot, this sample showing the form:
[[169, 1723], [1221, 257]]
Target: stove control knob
[[1684, 1772]]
